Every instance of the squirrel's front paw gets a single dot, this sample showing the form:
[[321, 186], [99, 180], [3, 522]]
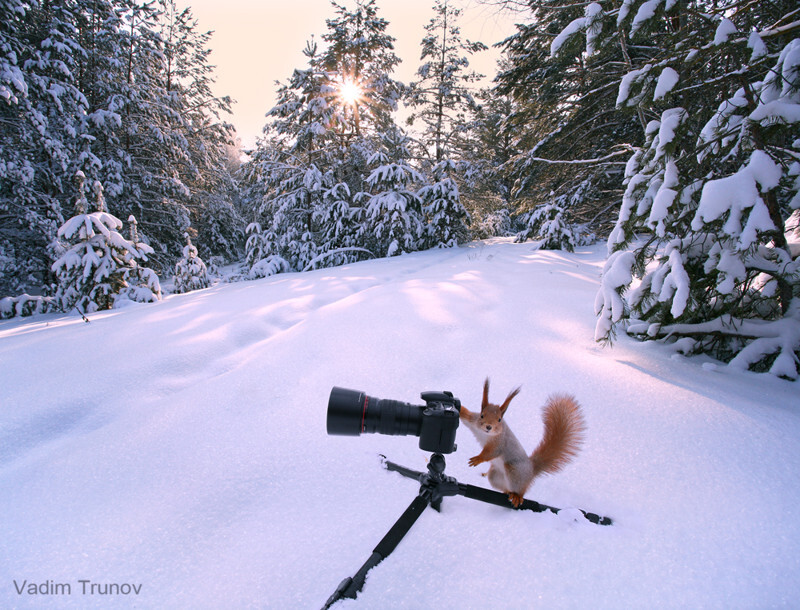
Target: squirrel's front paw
[[475, 461]]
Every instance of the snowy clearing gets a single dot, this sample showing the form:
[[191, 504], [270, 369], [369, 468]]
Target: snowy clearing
[[180, 447]]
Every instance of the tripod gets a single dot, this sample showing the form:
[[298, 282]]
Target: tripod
[[434, 485]]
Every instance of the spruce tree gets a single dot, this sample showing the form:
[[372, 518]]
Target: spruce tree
[[442, 98], [97, 261], [392, 208], [121, 92], [190, 272], [699, 254], [358, 61], [441, 205], [205, 138], [309, 179], [40, 110], [487, 187], [143, 283], [561, 72]]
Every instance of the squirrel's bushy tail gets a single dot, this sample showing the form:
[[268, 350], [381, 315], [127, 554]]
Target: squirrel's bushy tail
[[564, 430]]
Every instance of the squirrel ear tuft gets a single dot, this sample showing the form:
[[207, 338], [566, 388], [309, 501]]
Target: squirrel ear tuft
[[485, 394], [505, 404]]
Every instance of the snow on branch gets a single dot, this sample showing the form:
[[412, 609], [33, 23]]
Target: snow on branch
[[579, 161], [26, 305], [789, 27], [666, 82], [329, 253], [609, 304], [767, 337], [573, 28], [590, 22], [731, 196]]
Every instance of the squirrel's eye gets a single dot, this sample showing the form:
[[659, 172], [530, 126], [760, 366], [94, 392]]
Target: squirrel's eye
[[481, 415], [500, 419]]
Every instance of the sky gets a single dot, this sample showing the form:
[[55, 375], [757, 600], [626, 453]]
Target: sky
[[257, 42]]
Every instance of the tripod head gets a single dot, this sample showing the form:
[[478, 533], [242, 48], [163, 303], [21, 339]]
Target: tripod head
[[435, 485]]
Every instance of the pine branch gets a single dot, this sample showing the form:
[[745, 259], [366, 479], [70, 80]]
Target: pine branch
[[582, 161]]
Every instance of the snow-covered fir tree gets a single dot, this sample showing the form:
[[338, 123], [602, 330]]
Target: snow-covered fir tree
[[97, 261], [701, 253], [560, 71], [190, 272], [143, 283], [393, 210], [446, 218], [40, 110], [359, 60], [309, 180], [201, 163], [487, 185], [26, 305], [548, 225], [120, 91], [442, 101]]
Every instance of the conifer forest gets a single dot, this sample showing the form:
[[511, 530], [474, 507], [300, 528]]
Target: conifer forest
[[668, 129]]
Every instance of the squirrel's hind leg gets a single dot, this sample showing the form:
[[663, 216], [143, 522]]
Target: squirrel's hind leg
[[515, 498], [497, 478]]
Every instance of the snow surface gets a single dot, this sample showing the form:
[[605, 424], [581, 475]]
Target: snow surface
[[181, 446]]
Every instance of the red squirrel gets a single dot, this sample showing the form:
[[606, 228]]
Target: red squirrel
[[512, 471]]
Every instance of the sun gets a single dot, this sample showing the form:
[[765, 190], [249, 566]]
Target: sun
[[350, 92]]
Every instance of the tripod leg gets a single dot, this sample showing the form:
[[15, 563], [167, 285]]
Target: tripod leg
[[495, 497], [501, 499], [350, 586], [406, 472]]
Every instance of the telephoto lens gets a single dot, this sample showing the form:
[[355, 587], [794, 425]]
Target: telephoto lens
[[351, 413]]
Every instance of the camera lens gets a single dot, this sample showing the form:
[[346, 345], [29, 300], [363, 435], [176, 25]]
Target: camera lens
[[351, 412], [346, 409]]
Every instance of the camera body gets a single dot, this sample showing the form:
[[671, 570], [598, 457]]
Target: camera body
[[351, 413]]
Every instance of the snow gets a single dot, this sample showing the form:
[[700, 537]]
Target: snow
[[777, 110], [732, 271], [671, 282], [664, 199], [671, 120], [734, 194], [757, 46], [180, 446], [789, 61], [591, 22], [661, 204], [724, 31], [666, 82], [624, 10], [593, 25], [609, 306], [646, 11], [575, 26], [629, 79]]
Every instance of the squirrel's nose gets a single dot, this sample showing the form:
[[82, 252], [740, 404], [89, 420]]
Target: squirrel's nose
[[488, 428]]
